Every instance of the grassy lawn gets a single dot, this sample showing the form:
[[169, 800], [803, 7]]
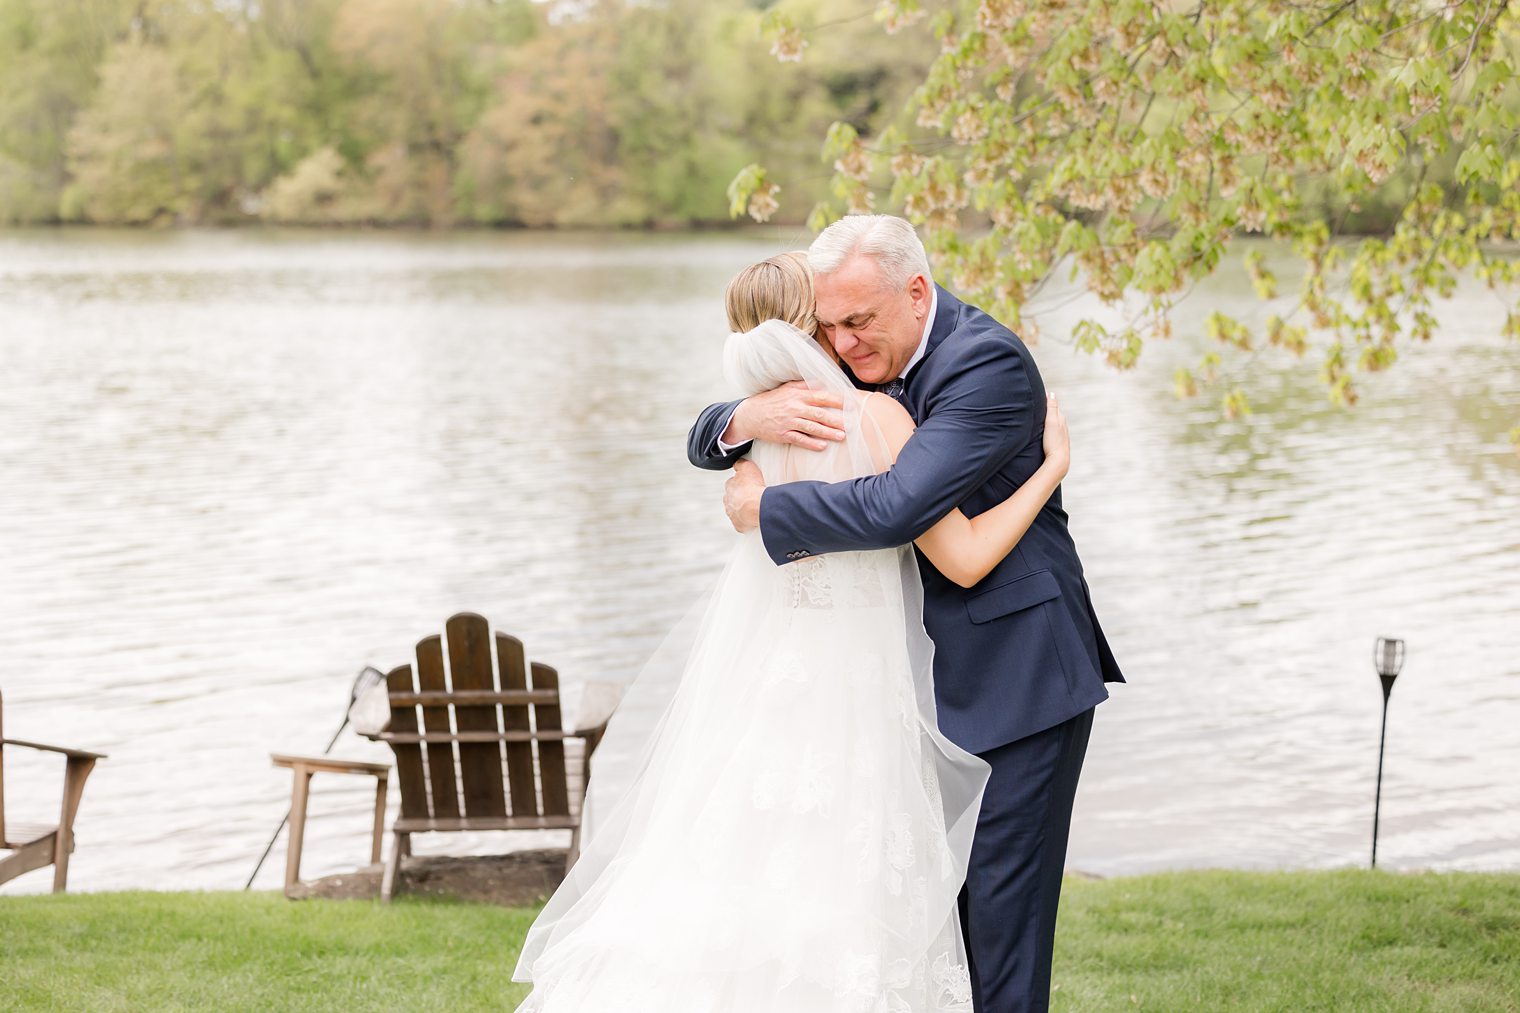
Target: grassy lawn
[[1185, 941], [1290, 941]]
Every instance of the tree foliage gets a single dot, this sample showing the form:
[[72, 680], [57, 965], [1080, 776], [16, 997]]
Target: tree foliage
[[1132, 142], [426, 112]]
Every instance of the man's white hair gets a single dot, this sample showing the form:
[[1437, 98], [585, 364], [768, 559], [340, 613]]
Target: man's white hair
[[886, 239]]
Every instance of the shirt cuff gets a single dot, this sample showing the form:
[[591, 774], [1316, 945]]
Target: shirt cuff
[[728, 448]]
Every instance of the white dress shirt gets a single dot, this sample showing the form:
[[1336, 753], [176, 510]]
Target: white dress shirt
[[918, 353]]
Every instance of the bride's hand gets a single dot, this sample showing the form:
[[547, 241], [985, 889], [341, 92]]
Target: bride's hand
[[1057, 439], [741, 496]]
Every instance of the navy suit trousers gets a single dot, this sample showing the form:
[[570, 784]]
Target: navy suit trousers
[[1013, 885]]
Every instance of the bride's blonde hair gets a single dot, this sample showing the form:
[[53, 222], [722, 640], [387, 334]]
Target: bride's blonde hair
[[777, 288]]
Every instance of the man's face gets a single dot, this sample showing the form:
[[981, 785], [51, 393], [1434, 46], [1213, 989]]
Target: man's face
[[874, 329]]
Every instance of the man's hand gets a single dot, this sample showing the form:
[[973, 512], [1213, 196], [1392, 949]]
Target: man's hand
[[741, 496], [792, 413]]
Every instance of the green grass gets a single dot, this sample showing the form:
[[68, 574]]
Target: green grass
[[1290, 941], [1184, 941], [233, 951]]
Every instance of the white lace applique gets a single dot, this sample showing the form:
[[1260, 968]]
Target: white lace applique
[[907, 707], [838, 580], [809, 583], [899, 974], [787, 668], [815, 788], [953, 981], [864, 985], [899, 851], [866, 837], [860, 977], [807, 780], [918, 901]]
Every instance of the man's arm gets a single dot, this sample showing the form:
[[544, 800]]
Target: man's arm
[[982, 412], [702, 447], [792, 413]]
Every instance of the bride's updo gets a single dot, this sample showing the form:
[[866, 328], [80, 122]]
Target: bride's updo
[[770, 309], [777, 288]]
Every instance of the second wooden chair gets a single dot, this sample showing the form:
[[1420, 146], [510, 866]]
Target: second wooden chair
[[479, 742]]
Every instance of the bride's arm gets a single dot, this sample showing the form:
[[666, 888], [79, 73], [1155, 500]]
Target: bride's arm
[[966, 549]]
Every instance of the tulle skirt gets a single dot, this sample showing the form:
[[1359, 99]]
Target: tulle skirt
[[797, 831]]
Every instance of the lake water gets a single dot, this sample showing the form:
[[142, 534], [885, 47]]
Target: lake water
[[240, 466]]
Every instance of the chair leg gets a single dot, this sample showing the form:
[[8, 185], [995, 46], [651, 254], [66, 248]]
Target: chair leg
[[300, 791], [378, 841], [400, 845], [73, 790]]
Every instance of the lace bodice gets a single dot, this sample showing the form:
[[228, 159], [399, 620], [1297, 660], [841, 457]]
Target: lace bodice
[[841, 580]]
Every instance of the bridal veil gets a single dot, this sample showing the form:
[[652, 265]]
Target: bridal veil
[[773, 806]]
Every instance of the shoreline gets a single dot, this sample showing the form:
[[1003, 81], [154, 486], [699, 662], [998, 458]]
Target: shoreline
[[713, 227]]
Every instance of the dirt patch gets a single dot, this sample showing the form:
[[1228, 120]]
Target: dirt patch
[[515, 880]]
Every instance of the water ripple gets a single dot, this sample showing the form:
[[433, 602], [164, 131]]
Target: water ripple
[[240, 466]]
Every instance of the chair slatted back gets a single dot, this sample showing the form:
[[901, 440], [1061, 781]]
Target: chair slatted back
[[443, 786], [478, 779], [410, 775], [470, 668], [551, 752], [514, 675]]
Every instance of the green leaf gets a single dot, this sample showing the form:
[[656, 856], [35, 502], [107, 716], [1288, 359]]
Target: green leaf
[[840, 138], [1480, 162], [742, 187], [1088, 336], [819, 218]]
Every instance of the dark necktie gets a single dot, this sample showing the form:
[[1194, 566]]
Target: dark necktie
[[894, 389]]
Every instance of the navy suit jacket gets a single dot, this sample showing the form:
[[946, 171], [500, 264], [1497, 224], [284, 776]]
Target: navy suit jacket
[[1021, 651]]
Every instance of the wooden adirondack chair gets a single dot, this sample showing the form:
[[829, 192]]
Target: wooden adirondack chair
[[479, 746], [28, 846]]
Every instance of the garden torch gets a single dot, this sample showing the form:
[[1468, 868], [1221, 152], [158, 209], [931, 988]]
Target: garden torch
[[1388, 657]]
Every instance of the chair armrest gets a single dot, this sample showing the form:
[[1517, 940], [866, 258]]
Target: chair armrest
[[592, 735], [73, 754], [330, 765], [597, 702]]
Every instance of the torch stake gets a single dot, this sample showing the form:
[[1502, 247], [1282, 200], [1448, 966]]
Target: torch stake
[[1377, 803]]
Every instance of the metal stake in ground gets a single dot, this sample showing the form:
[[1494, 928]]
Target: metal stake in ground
[[367, 679], [1388, 657]]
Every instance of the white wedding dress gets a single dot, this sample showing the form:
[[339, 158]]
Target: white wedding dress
[[775, 825]]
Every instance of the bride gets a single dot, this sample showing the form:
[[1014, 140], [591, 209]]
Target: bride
[[789, 831]]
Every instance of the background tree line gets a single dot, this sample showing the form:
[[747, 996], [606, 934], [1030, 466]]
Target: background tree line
[[421, 112]]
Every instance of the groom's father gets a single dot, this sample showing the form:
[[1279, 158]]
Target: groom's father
[[1020, 661]]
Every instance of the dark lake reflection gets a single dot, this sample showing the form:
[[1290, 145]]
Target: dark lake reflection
[[240, 466]]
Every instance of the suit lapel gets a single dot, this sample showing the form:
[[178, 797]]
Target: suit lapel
[[947, 314]]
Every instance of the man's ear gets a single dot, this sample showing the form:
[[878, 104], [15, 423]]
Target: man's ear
[[918, 292]]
